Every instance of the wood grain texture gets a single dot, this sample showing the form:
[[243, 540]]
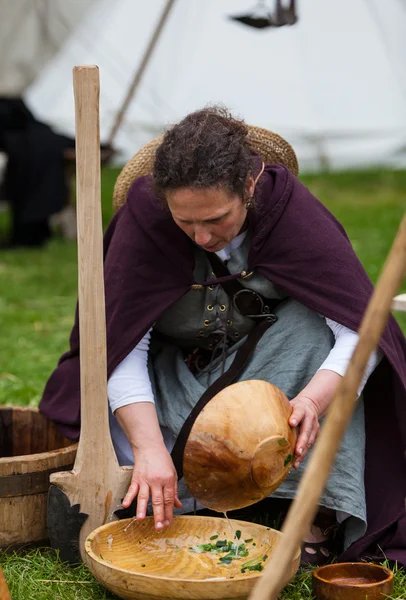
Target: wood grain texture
[[304, 506], [33, 447], [96, 483], [136, 562], [27, 432], [240, 447]]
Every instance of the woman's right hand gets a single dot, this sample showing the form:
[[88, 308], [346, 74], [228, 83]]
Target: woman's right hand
[[154, 476]]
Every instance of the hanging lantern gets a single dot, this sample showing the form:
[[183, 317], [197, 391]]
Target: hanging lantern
[[260, 17]]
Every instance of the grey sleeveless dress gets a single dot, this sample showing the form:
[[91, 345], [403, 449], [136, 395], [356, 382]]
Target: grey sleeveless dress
[[288, 355]]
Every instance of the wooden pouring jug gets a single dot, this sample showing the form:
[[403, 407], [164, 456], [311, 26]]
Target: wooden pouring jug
[[241, 446]]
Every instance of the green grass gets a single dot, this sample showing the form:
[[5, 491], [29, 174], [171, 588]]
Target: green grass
[[39, 575], [38, 297], [370, 205]]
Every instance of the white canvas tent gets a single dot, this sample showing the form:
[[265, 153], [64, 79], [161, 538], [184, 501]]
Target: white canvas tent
[[31, 32], [334, 84]]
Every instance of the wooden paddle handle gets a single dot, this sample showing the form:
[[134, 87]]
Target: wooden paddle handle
[[4, 591], [304, 507], [95, 440]]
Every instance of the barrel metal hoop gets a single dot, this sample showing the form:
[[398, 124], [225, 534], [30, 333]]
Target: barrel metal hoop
[[27, 484]]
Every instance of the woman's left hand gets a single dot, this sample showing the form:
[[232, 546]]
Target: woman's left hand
[[309, 406], [305, 416]]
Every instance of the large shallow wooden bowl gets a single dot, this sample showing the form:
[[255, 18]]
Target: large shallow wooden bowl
[[241, 446], [133, 560]]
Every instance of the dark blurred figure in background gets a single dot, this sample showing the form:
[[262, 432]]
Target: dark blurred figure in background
[[35, 183]]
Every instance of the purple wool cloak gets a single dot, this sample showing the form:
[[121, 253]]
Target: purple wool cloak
[[298, 245]]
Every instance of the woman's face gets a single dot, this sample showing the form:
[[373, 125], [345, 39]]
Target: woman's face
[[211, 217]]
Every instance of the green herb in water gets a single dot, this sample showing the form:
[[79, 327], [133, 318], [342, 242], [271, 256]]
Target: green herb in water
[[255, 564], [228, 548]]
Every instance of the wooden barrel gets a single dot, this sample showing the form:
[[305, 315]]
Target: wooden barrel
[[30, 450]]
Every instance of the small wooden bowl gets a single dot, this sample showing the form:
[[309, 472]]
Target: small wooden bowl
[[133, 560], [352, 581]]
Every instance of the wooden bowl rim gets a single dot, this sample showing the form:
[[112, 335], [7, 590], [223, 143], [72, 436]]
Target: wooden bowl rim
[[30, 458], [367, 565], [147, 576]]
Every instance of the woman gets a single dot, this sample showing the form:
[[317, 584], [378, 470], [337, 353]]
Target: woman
[[173, 327]]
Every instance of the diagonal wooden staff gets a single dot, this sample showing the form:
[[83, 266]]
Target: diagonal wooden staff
[[304, 507]]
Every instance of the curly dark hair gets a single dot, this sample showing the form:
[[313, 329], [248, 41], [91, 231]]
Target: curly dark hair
[[208, 148]]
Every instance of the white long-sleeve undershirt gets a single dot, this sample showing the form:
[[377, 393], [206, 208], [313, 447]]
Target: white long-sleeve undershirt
[[130, 381]]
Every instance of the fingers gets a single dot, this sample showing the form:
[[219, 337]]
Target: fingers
[[305, 416], [131, 494], [178, 503], [307, 435], [169, 502], [297, 415], [313, 435], [304, 436], [158, 507], [154, 477], [142, 501], [163, 501]]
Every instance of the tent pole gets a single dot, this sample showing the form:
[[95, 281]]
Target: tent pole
[[140, 71]]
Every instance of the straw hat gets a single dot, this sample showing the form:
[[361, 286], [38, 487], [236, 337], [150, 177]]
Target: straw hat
[[270, 146]]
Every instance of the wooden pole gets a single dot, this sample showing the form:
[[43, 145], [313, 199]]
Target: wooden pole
[[92, 315], [140, 71], [304, 507], [97, 482]]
